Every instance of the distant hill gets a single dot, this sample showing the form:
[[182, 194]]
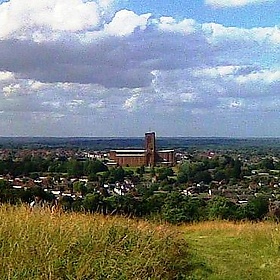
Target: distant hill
[[106, 143]]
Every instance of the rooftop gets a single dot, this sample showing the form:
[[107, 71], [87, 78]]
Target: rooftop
[[128, 151]]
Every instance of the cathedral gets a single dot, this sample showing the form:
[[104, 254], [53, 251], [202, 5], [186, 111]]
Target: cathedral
[[149, 156]]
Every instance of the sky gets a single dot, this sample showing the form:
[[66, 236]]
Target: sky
[[105, 68]]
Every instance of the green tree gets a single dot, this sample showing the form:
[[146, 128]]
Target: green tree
[[80, 187], [66, 203], [74, 168], [184, 172], [140, 170], [179, 208], [4, 184], [93, 202], [221, 208], [236, 171], [203, 176], [94, 166], [154, 203], [164, 173], [117, 174], [220, 175], [267, 164], [256, 208], [153, 172]]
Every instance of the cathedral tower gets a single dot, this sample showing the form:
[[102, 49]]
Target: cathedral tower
[[150, 147]]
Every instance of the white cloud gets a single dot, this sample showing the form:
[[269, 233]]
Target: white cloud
[[187, 97], [100, 104], [271, 34], [11, 89], [24, 17], [106, 4], [107, 65], [35, 85], [233, 3], [39, 117], [6, 75], [169, 24], [52, 104], [125, 22], [216, 72], [75, 104], [20, 87], [131, 103], [265, 76], [217, 33], [232, 103], [239, 74]]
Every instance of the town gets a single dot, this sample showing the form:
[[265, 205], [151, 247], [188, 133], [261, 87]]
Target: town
[[175, 185]]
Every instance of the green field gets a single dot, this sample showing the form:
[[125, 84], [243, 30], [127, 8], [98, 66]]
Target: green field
[[225, 250], [41, 245]]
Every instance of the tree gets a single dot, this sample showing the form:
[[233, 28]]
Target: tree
[[154, 203], [179, 208], [80, 187], [92, 202], [129, 173], [256, 208], [66, 202], [74, 168], [220, 175], [94, 166], [221, 208], [153, 172], [92, 177], [184, 172], [182, 178], [116, 174], [203, 176], [140, 170], [236, 171], [267, 164], [164, 172], [4, 184]]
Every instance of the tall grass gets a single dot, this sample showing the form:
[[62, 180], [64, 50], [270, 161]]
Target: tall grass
[[39, 245]]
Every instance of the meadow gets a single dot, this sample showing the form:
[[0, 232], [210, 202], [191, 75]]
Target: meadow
[[232, 251], [41, 245]]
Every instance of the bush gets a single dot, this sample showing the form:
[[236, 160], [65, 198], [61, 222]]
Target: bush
[[221, 208], [256, 208], [179, 208]]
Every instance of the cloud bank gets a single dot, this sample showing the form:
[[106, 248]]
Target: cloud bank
[[73, 67]]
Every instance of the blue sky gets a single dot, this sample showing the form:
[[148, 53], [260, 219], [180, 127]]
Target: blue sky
[[263, 14], [120, 68]]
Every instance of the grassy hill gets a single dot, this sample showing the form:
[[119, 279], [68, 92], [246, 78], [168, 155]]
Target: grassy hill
[[39, 245], [235, 251]]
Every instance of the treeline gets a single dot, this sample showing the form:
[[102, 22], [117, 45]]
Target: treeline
[[17, 196], [173, 207], [71, 167], [193, 170], [222, 168]]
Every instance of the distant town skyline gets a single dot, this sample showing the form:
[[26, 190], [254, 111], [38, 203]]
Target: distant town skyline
[[105, 68]]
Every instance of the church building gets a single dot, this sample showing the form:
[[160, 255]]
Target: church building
[[149, 156]]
